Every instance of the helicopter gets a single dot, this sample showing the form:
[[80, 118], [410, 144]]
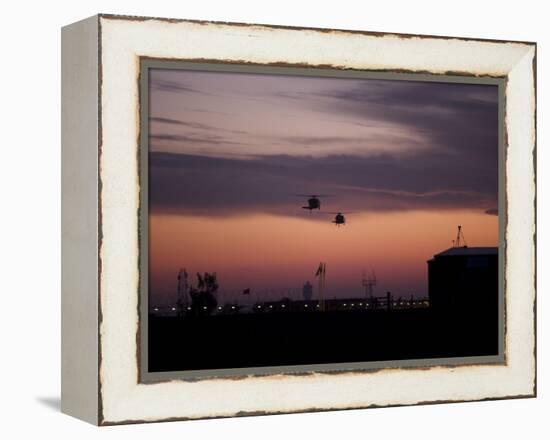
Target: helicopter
[[339, 218], [313, 201]]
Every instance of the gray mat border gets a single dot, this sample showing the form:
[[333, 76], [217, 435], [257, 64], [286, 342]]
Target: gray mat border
[[144, 376]]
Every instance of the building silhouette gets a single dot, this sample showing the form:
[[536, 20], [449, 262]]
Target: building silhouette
[[307, 291], [462, 278]]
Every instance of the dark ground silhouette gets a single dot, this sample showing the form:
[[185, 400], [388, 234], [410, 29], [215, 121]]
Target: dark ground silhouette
[[297, 338]]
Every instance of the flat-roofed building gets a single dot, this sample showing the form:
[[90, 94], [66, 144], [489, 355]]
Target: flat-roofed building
[[463, 278]]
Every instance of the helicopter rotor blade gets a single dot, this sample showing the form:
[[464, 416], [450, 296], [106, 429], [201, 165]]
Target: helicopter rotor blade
[[311, 195]]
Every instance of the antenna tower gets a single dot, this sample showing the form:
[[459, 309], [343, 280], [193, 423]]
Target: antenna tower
[[460, 241], [183, 289], [368, 283]]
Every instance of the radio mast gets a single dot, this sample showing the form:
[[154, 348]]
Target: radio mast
[[460, 241], [183, 290], [368, 283]]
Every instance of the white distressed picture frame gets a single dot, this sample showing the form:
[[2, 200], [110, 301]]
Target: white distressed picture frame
[[101, 193]]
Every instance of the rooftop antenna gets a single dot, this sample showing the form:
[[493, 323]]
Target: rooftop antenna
[[460, 241]]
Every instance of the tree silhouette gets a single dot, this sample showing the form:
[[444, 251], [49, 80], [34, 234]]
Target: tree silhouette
[[203, 298]]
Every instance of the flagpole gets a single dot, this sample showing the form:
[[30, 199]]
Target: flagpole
[[321, 274], [323, 298]]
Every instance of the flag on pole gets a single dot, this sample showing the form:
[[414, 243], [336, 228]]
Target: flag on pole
[[246, 291], [319, 270]]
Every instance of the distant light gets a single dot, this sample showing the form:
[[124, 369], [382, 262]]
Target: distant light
[[233, 307], [345, 304], [173, 309], [283, 306], [360, 304], [204, 307], [219, 308], [352, 305], [270, 306], [317, 305], [156, 309], [188, 308], [305, 305], [259, 307]]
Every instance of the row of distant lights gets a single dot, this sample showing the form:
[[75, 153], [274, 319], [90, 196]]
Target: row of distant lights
[[189, 308], [306, 306], [360, 304]]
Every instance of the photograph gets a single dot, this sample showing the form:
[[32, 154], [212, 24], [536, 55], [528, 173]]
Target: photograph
[[317, 219]]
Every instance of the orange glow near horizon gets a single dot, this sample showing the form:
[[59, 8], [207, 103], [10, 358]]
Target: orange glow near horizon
[[265, 252]]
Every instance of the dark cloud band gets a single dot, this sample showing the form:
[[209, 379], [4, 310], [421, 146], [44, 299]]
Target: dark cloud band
[[221, 186]]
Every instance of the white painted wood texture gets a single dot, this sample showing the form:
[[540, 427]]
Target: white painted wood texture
[[79, 138]]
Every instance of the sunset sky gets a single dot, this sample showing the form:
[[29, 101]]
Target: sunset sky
[[229, 152]]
